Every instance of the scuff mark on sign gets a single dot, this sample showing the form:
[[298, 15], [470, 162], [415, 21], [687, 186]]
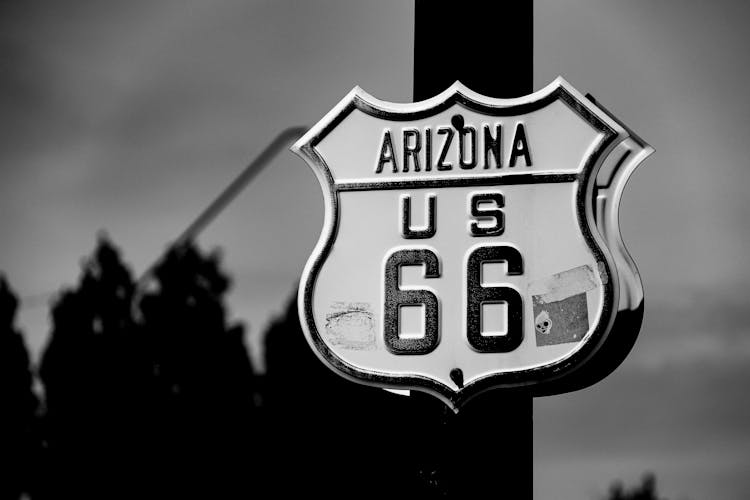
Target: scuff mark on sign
[[560, 306], [351, 325]]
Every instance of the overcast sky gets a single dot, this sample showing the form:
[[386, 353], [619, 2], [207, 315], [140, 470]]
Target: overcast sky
[[131, 116]]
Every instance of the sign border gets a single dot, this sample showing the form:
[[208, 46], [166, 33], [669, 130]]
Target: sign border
[[533, 379]]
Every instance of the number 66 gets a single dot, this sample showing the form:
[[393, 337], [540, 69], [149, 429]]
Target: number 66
[[476, 295]]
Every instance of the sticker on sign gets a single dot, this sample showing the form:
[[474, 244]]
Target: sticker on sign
[[460, 250]]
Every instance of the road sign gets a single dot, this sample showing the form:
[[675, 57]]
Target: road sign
[[460, 249]]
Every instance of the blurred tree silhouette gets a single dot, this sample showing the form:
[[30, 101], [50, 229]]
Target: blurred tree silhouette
[[645, 491], [18, 444], [94, 373], [203, 391], [155, 408]]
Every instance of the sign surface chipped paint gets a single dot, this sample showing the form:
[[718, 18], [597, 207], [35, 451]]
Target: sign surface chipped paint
[[560, 306], [461, 249]]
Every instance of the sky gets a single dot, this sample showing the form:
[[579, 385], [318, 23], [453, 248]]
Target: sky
[[130, 117]]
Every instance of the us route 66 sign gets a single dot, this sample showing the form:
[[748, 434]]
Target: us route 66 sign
[[469, 242]]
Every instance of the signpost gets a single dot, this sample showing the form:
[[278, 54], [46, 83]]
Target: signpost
[[471, 242]]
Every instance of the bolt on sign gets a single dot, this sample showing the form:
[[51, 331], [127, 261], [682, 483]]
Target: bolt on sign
[[469, 242]]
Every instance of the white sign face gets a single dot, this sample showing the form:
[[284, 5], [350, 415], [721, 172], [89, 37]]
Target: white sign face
[[460, 250]]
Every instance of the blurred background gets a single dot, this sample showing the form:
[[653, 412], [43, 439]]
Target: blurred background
[[130, 117]]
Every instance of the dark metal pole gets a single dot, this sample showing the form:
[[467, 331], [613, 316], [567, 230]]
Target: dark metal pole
[[487, 45], [486, 449]]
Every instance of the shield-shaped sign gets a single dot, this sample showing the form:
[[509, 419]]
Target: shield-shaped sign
[[460, 249]]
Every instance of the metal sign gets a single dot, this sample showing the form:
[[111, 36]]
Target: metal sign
[[469, 242]]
